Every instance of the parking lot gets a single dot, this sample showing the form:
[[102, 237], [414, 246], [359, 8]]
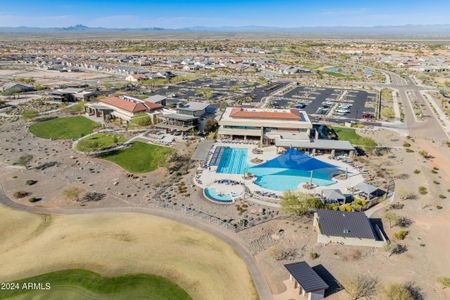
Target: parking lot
[[329, 102], [220, 88]]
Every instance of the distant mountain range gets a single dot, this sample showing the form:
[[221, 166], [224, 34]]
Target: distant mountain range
[[442, 30]]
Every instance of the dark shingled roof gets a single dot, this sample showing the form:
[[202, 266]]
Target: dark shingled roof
[[306, 277], [345, 224]]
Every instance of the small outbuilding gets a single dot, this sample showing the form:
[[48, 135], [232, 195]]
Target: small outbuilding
[[347, 228], [332, 196], [309, 283], [368, 191]]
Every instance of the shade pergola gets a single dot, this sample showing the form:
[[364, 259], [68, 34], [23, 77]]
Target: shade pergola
[[294, 159]]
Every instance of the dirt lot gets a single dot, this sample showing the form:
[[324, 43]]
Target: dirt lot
[[44, 77]]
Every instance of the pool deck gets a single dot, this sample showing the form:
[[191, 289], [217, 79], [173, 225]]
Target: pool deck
[[209, 177]]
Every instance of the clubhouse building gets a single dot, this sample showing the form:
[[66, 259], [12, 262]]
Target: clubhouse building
[[284, 128]]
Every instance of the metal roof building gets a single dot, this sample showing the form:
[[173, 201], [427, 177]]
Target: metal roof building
[[350, 228], [307, 280]]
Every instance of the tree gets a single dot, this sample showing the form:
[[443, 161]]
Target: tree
[[361, 286], [211, 125], [391, 217], [141, 120], [298, 203]]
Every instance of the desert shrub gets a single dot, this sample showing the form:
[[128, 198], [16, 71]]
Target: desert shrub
[[392, 248], [34, 199], [279, 253], [397, 292], [29, 114], [93, 196], [24, 160], [396, 205], [445, 281], [423, 190], [401, 234], [72, 193], [403, 222], [20, 194], [314, 255]]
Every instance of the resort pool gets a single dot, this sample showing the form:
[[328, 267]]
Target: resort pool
[[212, 194], [233, 161], [283, 173], [289, 180]]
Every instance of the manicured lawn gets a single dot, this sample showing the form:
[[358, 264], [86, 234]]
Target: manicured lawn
[[100, 141], [140, 157], [350, 135], [83, 284], [63, 128]]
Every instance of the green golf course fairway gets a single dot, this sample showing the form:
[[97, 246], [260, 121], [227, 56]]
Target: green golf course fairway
[[84, 285], [64, 128], [139, 157]]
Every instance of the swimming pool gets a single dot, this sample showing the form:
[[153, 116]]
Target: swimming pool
[[332, 69], [289, 179], [212, 194], [234, 161]]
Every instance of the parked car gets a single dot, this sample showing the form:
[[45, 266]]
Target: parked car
[[368, 116]]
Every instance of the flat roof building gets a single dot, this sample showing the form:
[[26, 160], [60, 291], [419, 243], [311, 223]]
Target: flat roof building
[[284, 128], [262, 124]]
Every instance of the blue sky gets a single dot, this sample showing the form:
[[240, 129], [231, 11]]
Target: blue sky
[[176, 13]]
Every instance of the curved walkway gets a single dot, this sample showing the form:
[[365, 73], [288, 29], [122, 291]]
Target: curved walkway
[[230, 238]]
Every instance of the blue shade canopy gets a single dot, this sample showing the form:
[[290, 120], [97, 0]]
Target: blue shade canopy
[[294, 159]]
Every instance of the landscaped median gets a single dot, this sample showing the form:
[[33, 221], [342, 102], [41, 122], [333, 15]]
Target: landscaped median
[[139, 157], [83, 284], [64, 128]]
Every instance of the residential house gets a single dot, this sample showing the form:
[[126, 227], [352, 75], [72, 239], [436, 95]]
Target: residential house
[[136, 77]]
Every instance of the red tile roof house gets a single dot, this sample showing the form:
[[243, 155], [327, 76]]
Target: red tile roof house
[[123, 108]]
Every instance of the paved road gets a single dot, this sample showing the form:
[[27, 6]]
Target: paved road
[[429, 128], [229, 237], [409, 91]]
